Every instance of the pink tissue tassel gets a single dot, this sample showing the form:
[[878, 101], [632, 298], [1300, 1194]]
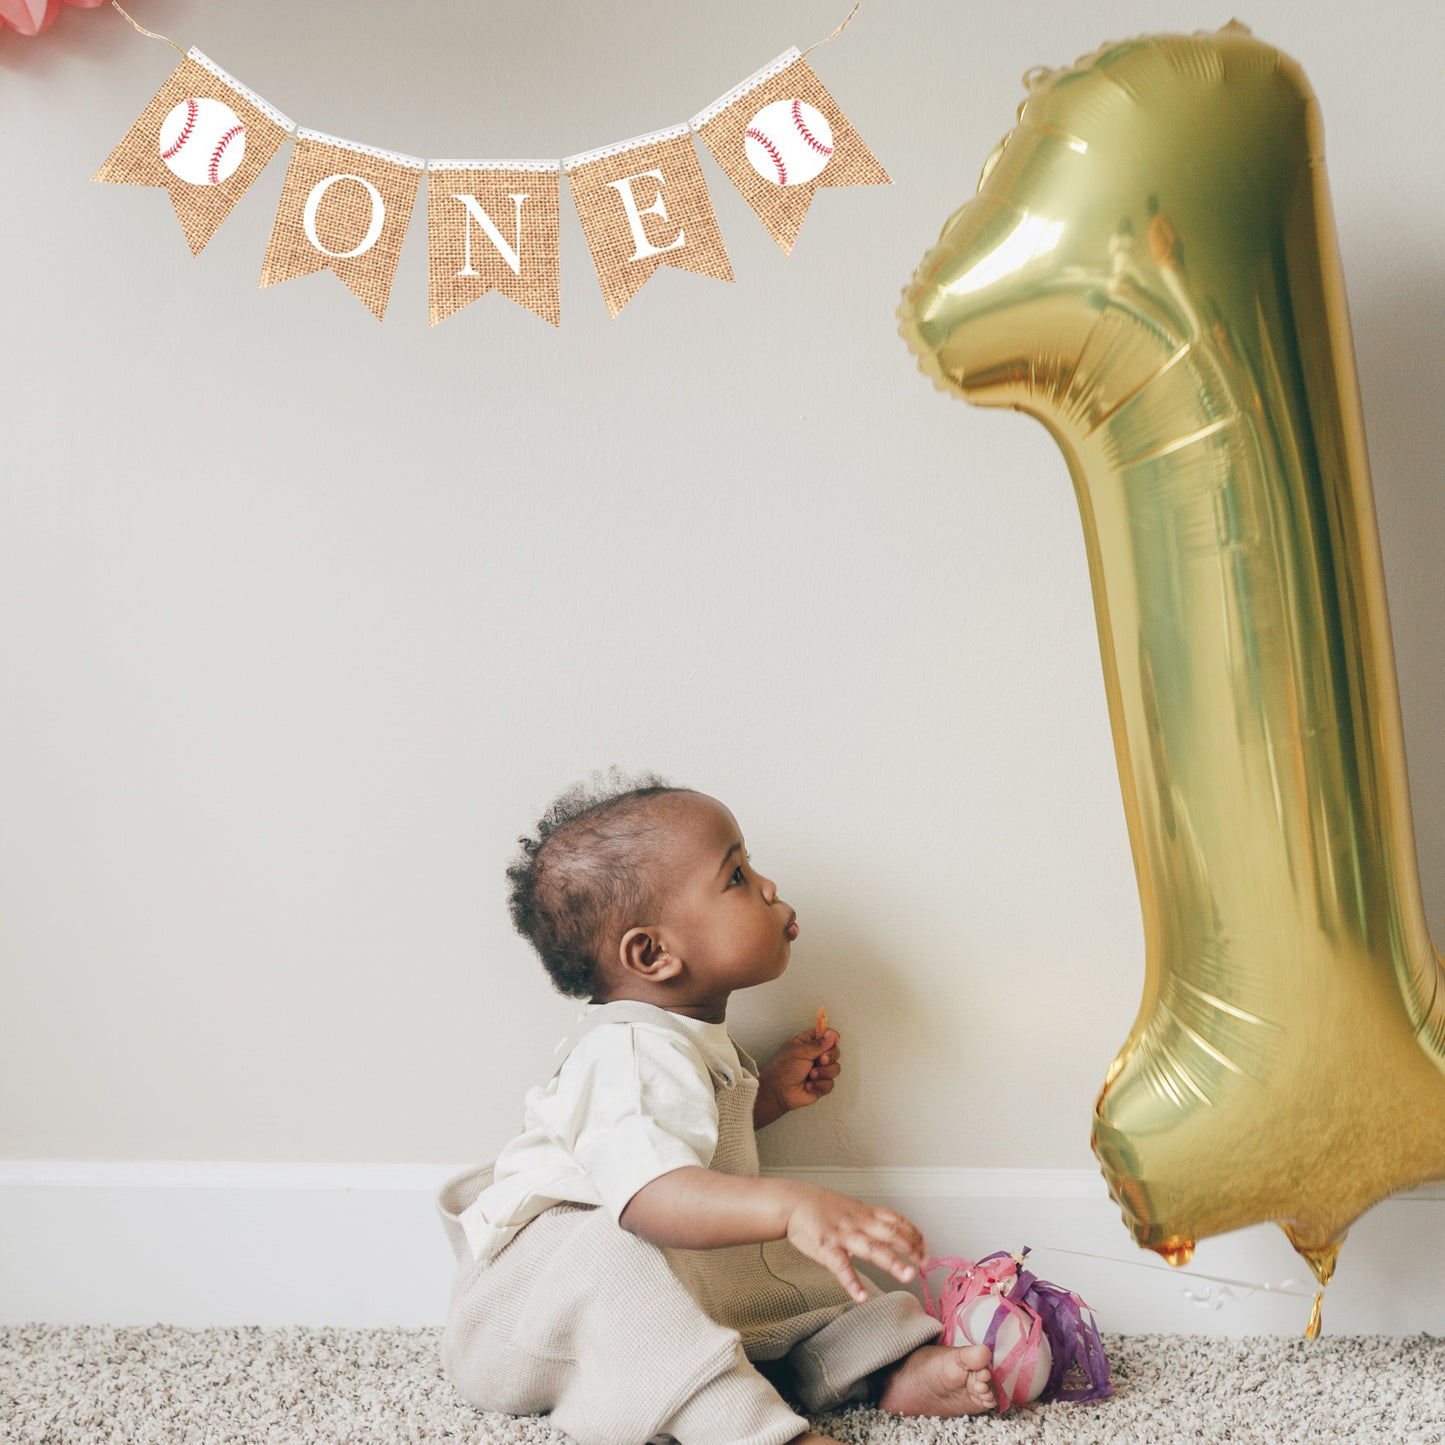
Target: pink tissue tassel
[[30, 17]]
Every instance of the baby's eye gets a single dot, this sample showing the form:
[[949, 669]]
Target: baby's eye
[[737, 875]]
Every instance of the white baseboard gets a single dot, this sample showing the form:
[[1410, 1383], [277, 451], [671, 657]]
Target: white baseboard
[[360, 1246]]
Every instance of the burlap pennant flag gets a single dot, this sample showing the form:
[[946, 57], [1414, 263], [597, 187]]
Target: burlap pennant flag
[[494, 226], [345, 209], [204, 137], [644, 204], [780, 136]]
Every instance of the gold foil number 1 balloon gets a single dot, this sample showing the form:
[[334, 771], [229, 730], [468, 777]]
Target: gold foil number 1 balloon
[[1150, 268]]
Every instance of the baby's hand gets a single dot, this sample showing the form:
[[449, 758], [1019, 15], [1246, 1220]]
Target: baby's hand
[[803, 1070], [834, 1229]]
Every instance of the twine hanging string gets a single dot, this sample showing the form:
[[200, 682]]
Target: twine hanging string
[[144, 31], [837, 32]]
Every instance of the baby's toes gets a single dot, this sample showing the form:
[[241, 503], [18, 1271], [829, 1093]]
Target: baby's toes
[[978, 1396], [980, 1388], [975, 1357]]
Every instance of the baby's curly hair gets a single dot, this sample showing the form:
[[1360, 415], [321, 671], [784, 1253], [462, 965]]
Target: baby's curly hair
[[591, 871]]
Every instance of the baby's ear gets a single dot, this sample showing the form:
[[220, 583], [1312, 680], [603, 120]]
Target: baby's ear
[[643, 955]]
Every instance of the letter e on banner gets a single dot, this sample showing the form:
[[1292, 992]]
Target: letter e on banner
[[642, 246], [617, 186]]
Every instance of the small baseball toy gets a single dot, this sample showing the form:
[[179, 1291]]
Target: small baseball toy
[[1044, 1339], [789, 142], [202, 141], [971, 1326]]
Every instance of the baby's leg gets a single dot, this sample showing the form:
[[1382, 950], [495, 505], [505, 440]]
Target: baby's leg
[[578, 1319], [737, 1407], [844, 1362]]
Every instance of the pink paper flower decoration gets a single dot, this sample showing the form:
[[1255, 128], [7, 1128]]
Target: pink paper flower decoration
[[30, 17]]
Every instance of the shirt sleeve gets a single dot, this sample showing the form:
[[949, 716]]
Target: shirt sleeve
[[644, 1106]]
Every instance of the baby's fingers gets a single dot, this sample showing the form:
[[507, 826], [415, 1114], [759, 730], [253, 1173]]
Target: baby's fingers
[[829, 1037], [902, 1236], [836, 1258], [887, 1255]]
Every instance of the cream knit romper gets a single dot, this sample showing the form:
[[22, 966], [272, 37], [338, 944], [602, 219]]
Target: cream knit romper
[[623, 1342]]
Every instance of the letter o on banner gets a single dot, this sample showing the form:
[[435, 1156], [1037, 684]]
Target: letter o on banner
[[373, 230]]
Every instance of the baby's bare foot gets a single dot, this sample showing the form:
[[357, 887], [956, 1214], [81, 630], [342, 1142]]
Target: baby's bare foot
[[940, 1380], [815, 1440]]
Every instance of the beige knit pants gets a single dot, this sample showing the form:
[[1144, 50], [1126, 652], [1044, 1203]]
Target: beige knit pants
[[592, 1325], [623, 1342]]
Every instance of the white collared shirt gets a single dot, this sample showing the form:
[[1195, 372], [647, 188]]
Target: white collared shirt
[[631, 1102]]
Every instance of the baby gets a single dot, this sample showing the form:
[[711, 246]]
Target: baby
[[623, 1267]]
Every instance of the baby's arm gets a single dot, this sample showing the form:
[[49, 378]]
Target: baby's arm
[[697, 1208]]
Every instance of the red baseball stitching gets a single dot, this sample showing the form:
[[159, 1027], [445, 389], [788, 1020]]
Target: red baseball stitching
[[754, 134], [221, 145], [808, 135], [192, 111]]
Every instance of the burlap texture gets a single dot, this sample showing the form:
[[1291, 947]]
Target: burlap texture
[[136, 161], [454, 238], [609, 230], [782, 208], [343, 218]]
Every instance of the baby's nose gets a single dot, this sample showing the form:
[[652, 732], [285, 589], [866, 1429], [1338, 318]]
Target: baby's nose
[[770, 889]]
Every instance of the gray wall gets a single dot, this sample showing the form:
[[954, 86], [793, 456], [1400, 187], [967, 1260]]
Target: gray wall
[[304, 618]]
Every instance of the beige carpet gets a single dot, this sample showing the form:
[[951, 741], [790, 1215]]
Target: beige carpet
[[93, 1385]]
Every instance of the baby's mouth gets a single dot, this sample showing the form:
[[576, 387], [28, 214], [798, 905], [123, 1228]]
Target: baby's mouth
[[791, 931]]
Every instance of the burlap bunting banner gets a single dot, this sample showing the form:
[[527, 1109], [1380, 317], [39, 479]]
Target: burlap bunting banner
[[644, 204], [204, 137], [780, 136], [344, 209], [494, 226]]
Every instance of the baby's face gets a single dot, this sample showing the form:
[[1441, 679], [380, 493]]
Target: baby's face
[[720, 917]]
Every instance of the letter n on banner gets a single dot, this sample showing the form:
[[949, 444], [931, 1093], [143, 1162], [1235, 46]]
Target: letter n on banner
[[344, 209], [493, 226], [204, 137], [644, 204]]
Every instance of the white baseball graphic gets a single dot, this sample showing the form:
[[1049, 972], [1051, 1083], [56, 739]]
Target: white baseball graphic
[[202, 141], [789, 142]]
